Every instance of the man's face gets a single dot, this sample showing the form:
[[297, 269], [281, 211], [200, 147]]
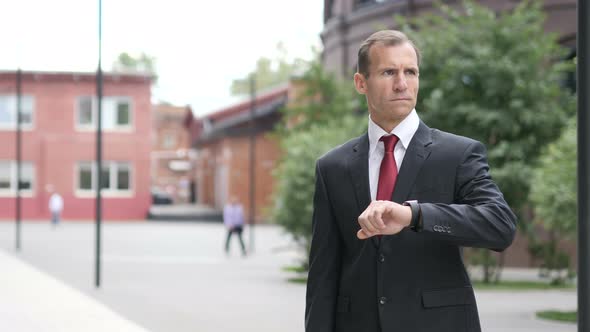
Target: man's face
[[392, 86]]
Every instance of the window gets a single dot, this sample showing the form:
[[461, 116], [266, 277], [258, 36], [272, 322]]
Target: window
[[123, 116], [168, 140], [85, 116], [328, 12], [363, 3], [5, 175], [85, 176], [8, 110], [105, 176], [116, 113], [8, 170], [123, 177], [26, 177], [115, 177]]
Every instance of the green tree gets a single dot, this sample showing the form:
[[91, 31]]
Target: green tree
[[142, 63], [323, 100], [269, 72], [295, 176], [322, 117], [495, 78], [554, 194]]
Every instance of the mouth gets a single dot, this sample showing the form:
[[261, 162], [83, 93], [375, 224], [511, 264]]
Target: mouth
[[400, 99]]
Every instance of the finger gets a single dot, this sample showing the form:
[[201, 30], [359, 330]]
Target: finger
[[366, 226], [376, 219], [367, 223], [384, 215], [362, 235]]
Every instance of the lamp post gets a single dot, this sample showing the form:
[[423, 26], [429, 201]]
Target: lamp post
[[99, 83], [583, 68], [18, 156], [252, 160]]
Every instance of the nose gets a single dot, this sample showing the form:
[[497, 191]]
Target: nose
[[400, 83]]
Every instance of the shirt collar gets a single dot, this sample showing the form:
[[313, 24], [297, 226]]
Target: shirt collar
[[405, 131]]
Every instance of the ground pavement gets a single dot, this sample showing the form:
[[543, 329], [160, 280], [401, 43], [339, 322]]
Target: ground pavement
[[174, 276]]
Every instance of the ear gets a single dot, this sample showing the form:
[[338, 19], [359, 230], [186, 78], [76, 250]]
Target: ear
[[360, 83]]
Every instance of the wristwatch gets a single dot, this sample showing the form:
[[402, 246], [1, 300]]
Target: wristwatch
[[416, 222]]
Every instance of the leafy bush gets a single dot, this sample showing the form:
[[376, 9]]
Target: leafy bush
[[554, 194], [295, 177]]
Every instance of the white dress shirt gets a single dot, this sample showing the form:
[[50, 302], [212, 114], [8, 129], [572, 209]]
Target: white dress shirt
[[405, 130]]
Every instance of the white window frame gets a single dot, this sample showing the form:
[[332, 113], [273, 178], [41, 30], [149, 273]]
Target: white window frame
[[107, 192], [24, 126], [94, 105], [10, 192]]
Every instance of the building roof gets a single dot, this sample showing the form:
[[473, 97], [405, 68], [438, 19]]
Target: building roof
[[220, 122], [64, 76], [169, 110], [262, 98]]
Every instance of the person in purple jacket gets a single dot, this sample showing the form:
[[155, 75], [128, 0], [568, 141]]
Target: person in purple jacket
[[233, 219]]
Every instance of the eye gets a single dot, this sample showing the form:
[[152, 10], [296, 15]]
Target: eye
[[389, 72], [411, 72]]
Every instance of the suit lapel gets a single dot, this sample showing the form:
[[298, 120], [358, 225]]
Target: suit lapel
[[416, 154], [358, 166]]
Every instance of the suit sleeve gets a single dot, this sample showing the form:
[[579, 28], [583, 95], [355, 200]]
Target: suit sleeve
[[324, 263], [479, 217]]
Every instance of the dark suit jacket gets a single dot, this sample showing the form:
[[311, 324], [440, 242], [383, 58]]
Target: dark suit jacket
[[411, 281]]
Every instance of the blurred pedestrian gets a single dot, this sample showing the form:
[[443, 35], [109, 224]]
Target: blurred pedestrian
[[56, 205], [233, 219]]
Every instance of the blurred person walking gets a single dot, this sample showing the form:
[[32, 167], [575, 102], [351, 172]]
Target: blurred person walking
[[233, 219], [56, 205]]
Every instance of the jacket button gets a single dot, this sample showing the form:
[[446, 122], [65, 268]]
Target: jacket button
[[381, 258], [382, 300]]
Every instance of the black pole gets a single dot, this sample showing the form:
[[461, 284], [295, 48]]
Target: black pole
[[583, 166], [18, 155], [252, 160], [99, 145]]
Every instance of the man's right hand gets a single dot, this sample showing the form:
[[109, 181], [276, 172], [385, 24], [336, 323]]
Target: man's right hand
[[383, 218]]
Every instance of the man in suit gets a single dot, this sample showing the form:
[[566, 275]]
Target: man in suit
[[393, 208]]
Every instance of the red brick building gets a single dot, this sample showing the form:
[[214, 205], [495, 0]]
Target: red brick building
[[172, 157], [222, 142], [59, 144]]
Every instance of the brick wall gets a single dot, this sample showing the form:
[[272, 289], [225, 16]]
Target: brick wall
[[168, 123], [55, 147], [229, 158]]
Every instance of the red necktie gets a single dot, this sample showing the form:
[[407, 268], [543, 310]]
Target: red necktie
[[388, 170]]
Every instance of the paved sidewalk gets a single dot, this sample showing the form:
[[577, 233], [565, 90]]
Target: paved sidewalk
[[32, 301], [175, 277]]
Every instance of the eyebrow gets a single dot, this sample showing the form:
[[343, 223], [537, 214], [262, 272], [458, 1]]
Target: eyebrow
[[396, 69]]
